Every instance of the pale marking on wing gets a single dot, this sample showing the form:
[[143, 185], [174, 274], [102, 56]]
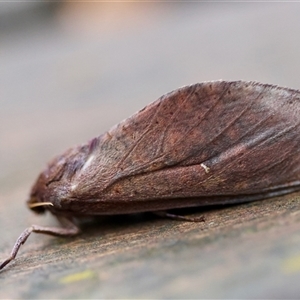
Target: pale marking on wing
[[237, 117], [74, 186], [246, 108], [233, 122], [88, 162], [205, 167], [250, 151], [141, 167]]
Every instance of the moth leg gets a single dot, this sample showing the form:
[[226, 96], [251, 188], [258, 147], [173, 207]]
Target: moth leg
[[70, 230], [165, 214]]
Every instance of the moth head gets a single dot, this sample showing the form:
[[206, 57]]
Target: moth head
[[41, 195], [37, 201], [52, 185]]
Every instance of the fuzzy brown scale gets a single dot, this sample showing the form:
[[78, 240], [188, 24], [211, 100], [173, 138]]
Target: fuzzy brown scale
[[209, 143]]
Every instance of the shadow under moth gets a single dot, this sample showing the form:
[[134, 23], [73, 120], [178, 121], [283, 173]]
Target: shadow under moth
[[209, 143]]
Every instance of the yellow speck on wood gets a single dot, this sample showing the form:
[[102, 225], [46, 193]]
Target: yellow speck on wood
[[292, 264], [77, 277]]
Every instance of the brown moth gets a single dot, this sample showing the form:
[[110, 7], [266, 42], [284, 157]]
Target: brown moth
[[209, 143]]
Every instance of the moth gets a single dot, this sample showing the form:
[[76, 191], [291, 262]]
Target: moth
[[209, 143]]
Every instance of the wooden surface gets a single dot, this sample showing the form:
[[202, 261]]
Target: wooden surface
[[74, 76]]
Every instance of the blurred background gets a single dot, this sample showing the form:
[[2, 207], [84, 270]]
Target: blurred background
[[71, 70]]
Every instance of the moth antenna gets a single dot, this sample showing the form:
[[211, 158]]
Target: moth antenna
[[31, 205]]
